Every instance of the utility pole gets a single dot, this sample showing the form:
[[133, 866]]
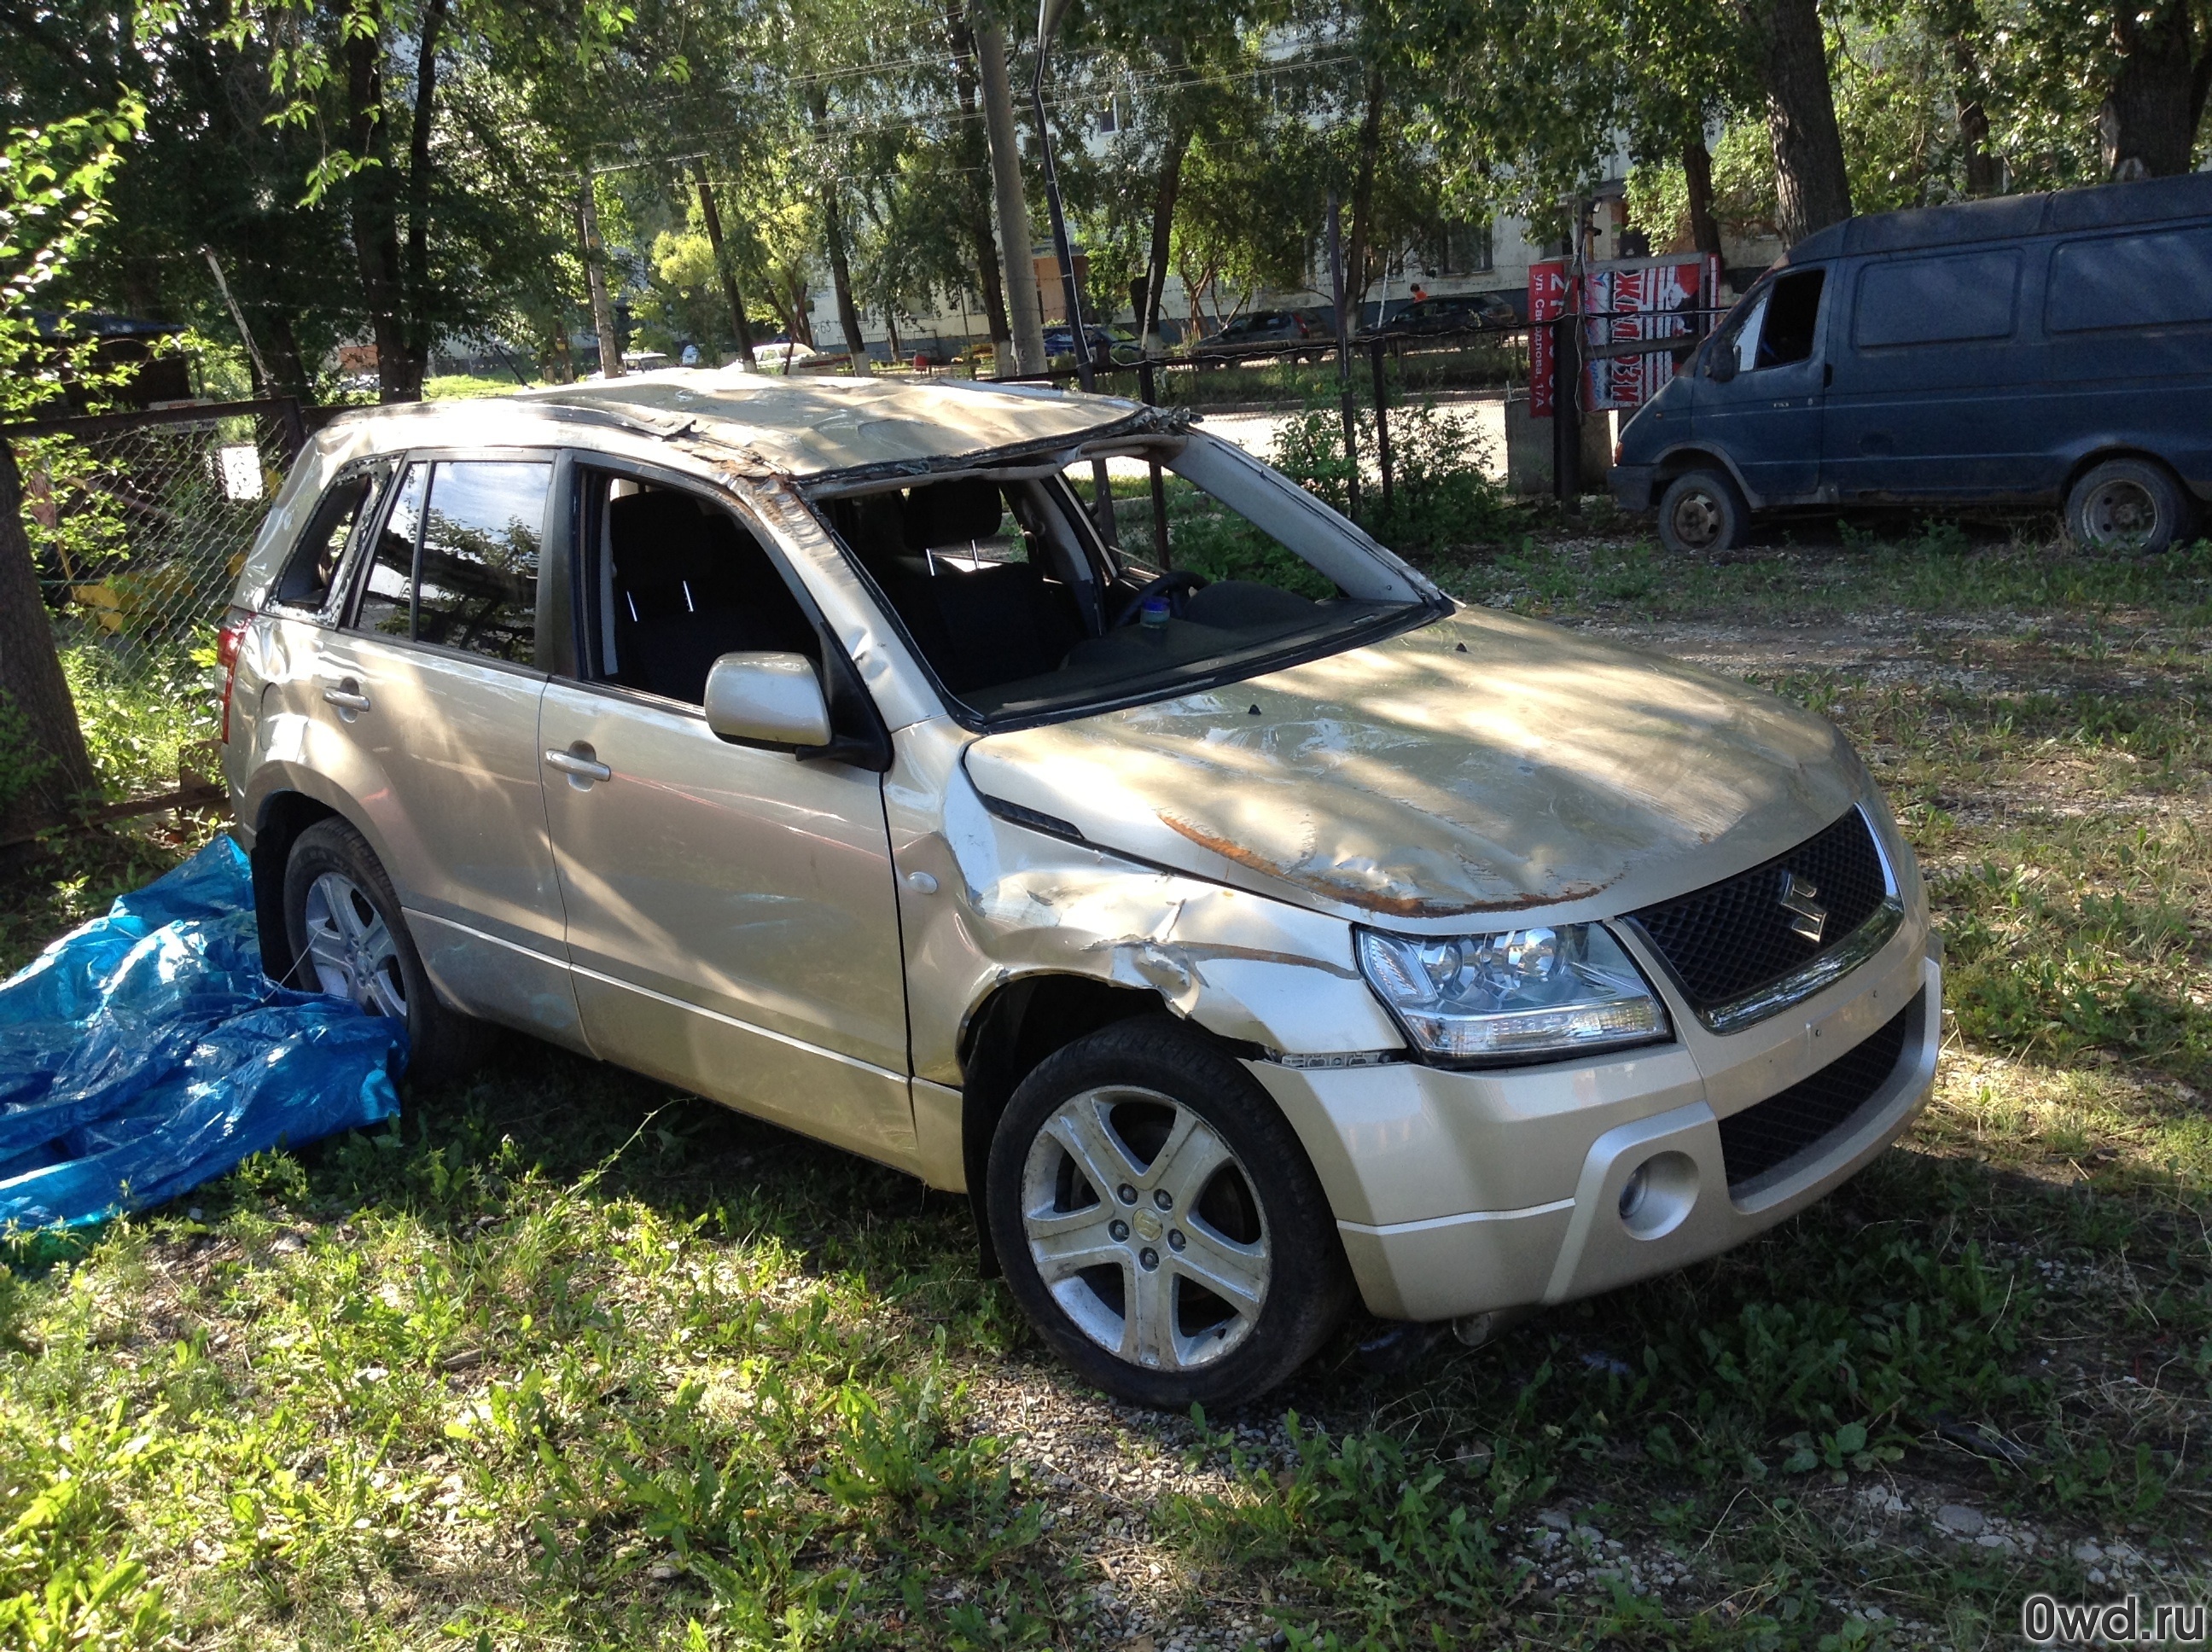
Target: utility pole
[[1024, 315], [737, 321], [595, 275]]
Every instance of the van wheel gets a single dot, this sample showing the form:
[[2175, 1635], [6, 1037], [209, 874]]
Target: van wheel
[[1159, 1221], [349, 940], [2126, 505], [1702, 511]]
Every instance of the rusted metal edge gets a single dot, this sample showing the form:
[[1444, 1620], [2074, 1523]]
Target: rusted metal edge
[[1144, 422]]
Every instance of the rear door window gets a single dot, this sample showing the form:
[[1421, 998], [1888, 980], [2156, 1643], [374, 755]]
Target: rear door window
[[456, 560], [476, 569], [2131, 281], [1939, 300]]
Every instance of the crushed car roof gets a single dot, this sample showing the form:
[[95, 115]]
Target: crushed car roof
[[809, 427]]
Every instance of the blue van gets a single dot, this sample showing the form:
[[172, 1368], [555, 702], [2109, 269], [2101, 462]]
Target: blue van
[[2026, 350]]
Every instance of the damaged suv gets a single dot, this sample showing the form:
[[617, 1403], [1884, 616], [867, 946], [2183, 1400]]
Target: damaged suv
[[1244, 926]]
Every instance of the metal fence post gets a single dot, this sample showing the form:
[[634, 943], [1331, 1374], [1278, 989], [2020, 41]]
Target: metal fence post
[[1148, 389], [1376, 350]]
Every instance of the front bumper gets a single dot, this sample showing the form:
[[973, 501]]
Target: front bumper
[[1462, 1193], [1631, 486]]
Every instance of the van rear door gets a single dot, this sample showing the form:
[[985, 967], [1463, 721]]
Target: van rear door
[[1767, 417], [1935, 394]]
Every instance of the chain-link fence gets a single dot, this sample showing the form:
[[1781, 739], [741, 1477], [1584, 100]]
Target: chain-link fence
[[139, 522]]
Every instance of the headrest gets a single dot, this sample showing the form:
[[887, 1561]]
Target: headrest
[[658, 538], [953, 513]]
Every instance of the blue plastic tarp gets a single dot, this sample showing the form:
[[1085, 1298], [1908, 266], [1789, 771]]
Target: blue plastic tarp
[[146, 1052]]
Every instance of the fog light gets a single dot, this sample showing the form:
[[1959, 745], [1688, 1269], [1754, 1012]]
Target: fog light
[[1633, 1189], [1658, 1194]]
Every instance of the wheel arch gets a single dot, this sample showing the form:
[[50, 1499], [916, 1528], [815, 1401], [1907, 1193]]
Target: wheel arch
[[1020, 1024], [279, 817], [1680, 461], [2105, 453]]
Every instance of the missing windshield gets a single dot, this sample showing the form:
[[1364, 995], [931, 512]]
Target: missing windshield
[[1021, 611]]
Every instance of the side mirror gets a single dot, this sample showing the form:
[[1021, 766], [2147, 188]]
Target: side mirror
[[1723, 366], [767, 699]]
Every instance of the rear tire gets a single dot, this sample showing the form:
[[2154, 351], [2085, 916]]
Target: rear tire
[[1702, 513], [349, 939], [1205, 1184], [2127, 505]]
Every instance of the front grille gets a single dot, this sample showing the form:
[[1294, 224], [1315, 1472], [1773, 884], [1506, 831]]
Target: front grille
[[1763, 1135], [1734, 936]]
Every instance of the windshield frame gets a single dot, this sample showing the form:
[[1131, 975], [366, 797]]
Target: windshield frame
[[1426, 605]]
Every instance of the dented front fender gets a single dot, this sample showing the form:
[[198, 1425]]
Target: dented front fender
[[984, 901]]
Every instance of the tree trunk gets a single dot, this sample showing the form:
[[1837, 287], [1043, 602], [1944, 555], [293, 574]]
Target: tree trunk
[[977, 216], [1163, 209], [1698, 172], [833, 233], [53, 772], [595, 278], [414, 277], [373, 218], [1025, 317], [1811, 187], [2147, 124], [1363, 206], [1982, 177], [713, 218]]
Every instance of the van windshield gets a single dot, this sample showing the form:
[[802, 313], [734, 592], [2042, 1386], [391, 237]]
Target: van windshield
[[1022, 612]]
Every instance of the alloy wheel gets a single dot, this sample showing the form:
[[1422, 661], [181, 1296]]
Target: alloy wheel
[[1144, 1226], [351, 947]]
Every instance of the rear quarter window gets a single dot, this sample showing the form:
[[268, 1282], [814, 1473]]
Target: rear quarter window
[[2157, 279], [1939, 300]]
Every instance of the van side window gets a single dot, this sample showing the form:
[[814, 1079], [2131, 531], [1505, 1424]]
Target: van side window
[[315, 564], [2131, 281], [1781, 327], [1941, 300], [673, 581], [476, 573]]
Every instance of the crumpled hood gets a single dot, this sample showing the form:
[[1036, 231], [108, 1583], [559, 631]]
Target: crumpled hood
[[1485, 764]]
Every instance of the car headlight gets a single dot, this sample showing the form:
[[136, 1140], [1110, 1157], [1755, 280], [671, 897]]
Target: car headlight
[[1527, 993]]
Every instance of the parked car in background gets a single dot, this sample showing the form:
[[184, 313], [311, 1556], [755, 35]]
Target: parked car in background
[[1454, 312], [1258, 329], [2023, 351], [1238, 948], [1118, 344]]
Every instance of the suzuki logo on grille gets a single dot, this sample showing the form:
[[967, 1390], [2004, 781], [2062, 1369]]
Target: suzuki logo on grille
[[1808, 917]]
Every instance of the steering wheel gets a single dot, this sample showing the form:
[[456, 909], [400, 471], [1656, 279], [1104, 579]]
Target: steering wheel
[[1175, 584]]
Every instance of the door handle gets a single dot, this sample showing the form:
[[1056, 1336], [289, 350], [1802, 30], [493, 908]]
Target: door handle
[[579, 765], [348, 698]]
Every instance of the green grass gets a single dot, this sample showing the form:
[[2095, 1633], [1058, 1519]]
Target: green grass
[[466, 386], [563, 1359]]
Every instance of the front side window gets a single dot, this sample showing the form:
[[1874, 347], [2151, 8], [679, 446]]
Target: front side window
[[1782, 324], [1020, 612], [672, 582]]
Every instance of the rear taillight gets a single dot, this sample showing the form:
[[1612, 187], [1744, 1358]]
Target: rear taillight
[[226, 641]]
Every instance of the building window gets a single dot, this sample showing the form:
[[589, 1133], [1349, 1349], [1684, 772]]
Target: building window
[[1459, 249]]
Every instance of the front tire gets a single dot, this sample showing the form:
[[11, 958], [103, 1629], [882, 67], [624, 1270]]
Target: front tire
[[1702, 513], [1159, 1221], [2126, 505], [349, 939]]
